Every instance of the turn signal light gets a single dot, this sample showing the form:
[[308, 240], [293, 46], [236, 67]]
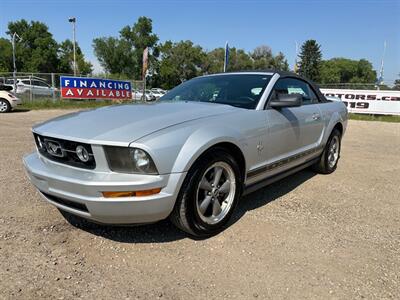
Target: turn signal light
[[131, 194]]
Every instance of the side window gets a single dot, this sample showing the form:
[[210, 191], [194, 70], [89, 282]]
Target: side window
[[44, 84], [39, 83], [313, 96], [287, 86]]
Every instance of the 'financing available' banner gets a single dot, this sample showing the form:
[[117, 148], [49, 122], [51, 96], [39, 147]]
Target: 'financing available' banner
[[368, 101], [94, 88]]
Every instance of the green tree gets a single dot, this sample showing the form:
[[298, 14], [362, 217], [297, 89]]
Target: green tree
[[37, 52], [123, 55], [115, 55], [310, 60], [239, 60], [5, 55], [141, 36], [213, 61], [344, 70], [396, 85], [179, 62], [264, 59], [66, 56], [280, 62], [260, 59]]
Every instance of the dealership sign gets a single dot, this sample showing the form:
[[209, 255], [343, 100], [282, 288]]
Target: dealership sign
[[368, 101], [94, 88]]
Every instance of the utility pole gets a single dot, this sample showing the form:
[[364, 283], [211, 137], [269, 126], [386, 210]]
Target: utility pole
[[380, 80], [296, 64], [15, 35], [226, 57], [73, 21]]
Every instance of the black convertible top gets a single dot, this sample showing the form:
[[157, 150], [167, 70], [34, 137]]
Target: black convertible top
[[284, 74]]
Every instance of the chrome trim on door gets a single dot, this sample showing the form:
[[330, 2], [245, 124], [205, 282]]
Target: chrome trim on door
[[281, 162]]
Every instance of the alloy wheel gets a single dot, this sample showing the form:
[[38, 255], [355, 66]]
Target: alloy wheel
[[333, 152], [3, 106], [216, 193]]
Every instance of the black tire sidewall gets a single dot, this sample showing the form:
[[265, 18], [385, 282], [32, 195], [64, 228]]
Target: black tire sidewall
[[326, 153], [197, 225]]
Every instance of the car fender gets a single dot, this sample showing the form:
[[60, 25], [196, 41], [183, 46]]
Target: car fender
[[4, 95], [335, 118], [201, 140], [175, 149]]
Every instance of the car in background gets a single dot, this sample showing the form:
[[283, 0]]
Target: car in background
[[157, 92], [34, 85], [8, 100], [137, 95]]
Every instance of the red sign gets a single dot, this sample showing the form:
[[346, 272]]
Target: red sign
[[94, 88]]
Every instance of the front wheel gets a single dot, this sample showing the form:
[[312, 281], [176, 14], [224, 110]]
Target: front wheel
[[4, 106], [330, 157], [208, 195]]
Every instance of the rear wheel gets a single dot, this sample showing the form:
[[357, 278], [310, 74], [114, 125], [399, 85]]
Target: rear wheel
[[330, 157], [208, 195], [4, 106]]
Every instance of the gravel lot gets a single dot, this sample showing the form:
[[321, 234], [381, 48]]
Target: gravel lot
[[308, 236]]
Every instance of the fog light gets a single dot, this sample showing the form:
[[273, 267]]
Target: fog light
[[131, 194], [82, 153]]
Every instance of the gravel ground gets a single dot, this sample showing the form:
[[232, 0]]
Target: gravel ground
[[308, 236]]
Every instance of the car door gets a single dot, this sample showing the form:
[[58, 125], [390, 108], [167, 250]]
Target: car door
[[293, 131], [35, 88], [39, 87], [24, 86], [45, 89]]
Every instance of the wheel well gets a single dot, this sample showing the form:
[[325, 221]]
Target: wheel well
[[339, 127], [234, 151]]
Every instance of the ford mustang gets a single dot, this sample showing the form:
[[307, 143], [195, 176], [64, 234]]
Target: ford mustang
[[190, 155]]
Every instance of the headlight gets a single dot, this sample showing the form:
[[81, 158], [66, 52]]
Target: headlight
[[129, 160]]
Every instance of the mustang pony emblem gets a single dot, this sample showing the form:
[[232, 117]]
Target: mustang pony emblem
[[54, 148]]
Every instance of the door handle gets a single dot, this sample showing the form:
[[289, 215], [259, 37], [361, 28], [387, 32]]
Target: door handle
[[316, 117]]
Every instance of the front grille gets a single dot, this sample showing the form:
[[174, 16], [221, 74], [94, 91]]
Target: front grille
[[67, 203], [64, 151]]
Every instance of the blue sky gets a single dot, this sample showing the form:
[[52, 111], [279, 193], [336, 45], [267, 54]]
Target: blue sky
[[353, 28]]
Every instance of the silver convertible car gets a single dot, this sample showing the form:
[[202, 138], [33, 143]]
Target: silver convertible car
[[191, 154]]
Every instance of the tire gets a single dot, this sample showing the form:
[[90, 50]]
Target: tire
[[330, 157], [4, 106], [202, 209]]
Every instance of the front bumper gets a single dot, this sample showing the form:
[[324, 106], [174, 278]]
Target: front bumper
[[78, 191]]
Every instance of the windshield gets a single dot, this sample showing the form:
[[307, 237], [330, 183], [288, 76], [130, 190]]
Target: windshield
[[240, 90]]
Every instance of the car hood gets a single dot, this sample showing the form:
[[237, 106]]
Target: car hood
[[123, 124]]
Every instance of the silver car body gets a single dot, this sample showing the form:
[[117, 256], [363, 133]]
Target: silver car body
[[34, 85], [175, 135]]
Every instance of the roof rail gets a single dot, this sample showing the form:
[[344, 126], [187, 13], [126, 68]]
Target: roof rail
[[27, 77]]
